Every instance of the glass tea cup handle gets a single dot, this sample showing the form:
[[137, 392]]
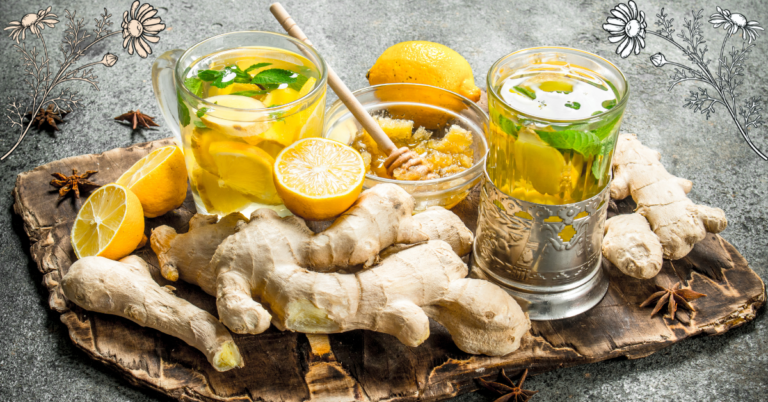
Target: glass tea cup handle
[[164, 86]]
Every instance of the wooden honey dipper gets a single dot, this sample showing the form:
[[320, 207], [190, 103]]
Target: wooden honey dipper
[[397, 157]]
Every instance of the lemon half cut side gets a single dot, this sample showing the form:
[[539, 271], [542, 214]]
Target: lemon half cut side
[[318, 178], [110, 223]]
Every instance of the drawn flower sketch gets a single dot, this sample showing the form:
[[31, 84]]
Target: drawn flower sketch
[[140, 27], [626, 26]]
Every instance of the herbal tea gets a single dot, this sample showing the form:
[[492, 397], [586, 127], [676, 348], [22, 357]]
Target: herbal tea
[[552, 133], [254, 107]]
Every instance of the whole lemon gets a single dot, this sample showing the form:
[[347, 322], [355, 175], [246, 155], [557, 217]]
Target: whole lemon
[[428, 63]]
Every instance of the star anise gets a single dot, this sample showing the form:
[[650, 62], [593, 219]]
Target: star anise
[[137, 119], [674, 296], [74, 182], [509, 392], [47, 118]]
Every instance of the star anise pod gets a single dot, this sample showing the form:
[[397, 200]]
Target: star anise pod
[[673, 296], [47, 118], [137, 119], [509, 392], [74, 182]]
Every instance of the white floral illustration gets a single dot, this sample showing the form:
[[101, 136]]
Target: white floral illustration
[[140, 27], [34, 22], [733, 22], [627, 25]]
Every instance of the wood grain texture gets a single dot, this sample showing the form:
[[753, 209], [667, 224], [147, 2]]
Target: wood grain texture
[[364, 365]]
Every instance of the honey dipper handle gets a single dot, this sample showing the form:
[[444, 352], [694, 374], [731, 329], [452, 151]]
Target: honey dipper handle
[[338, 86]]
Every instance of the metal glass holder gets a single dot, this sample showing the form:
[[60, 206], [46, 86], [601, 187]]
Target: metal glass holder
[[548, 257]]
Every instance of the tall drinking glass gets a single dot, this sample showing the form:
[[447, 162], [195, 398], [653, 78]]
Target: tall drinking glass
[[232, 126], [555, 117]]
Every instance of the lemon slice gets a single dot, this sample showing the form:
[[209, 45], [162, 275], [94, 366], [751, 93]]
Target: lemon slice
[[542, 165], [159, 180], [234, 121], [245, 168], [200, 142], [288, 129], [318, 178], [282, 96], [217, 197], [110, 224]]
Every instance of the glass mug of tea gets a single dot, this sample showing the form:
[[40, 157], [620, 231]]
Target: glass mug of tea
[[234, 101]]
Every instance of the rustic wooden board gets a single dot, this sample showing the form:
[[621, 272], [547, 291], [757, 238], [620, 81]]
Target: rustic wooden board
[[363, 365]]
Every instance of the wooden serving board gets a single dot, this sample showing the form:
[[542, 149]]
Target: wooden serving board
[[364, 365]]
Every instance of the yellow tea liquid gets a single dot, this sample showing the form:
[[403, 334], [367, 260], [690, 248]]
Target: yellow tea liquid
[[552, 133], [254, 107]]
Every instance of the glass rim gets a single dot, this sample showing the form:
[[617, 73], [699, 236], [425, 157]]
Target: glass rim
[[481, 162], [313, 93], [541, 49]]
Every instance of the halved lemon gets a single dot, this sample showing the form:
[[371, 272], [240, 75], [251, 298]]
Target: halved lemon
[[110, 224], [159, 180], [318, 178], [246, 169]]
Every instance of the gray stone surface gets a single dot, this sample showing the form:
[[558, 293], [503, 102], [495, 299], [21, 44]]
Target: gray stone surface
[[38, 361]]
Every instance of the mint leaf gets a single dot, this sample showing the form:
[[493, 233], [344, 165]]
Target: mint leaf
[[275, 76], [184, 117], [583, 142], [200, 124], [525, 91], [299, 83], [249, 93], [195, 85], [601, 160], [609, 104], [508, 126], [201, 112], [607, 128], [257, 66], [574, 105], [208, 75]]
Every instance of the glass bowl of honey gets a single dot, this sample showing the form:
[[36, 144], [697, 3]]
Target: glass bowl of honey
[[443, 127]]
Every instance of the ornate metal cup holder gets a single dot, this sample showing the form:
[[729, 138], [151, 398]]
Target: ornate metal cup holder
[[548, 257]]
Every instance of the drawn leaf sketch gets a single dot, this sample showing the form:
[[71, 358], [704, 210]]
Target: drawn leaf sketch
[[140, 27], [626, 26]]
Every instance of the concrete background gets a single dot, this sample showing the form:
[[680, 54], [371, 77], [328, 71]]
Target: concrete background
[[37, 359]]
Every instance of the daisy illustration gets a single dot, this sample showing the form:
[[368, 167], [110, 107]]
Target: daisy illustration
[[139, 27], [733, 22], [628, 27], [34, 22]]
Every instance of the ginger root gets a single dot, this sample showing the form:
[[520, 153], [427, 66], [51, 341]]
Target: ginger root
[[379, 218], [661, 199], [277, 270], [193, 251], [126, 289], [631, 245]]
